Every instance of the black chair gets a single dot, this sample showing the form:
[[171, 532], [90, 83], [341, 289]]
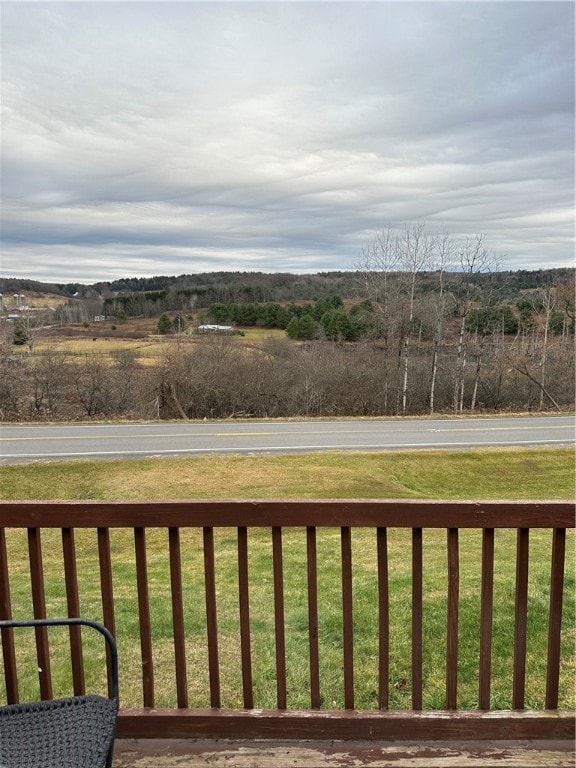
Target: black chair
[[77, 731]]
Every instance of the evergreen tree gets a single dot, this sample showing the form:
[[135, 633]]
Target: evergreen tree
[[282, 318], [337, 325], [219, 312], [293, 328], [20, 335], [307, 327], [164, 324]]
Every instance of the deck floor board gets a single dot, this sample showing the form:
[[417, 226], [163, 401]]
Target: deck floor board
[[187, 753]]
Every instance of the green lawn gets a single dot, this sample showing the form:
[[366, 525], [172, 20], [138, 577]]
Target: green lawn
[[508, 473], [493, 473]]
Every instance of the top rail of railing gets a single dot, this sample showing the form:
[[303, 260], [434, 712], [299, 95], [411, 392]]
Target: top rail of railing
[[329, 513]]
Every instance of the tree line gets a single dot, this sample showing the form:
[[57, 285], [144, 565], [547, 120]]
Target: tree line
[[328, 319], [151, 296], [223, 377]]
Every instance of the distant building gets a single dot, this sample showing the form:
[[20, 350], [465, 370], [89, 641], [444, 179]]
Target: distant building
[[215, 329]]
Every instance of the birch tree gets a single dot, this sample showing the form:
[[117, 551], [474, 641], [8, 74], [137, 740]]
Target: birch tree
[[547, 298], [379, 261], [416, 245], [473, 256], [442, 261]]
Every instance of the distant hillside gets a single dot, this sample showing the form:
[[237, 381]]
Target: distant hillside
[[210, 287], [12, 285]]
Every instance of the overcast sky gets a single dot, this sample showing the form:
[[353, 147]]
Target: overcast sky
[[146, 138]]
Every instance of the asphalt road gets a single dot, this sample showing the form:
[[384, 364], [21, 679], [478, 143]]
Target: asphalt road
[[35, 442]]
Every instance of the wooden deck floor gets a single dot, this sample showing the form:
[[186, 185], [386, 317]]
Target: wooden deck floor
[[165, 753]]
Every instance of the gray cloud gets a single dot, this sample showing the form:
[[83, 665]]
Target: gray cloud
[[160, 138]]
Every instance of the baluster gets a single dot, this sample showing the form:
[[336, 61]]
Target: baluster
[[486, 618], [520, 619], [144, 617], [106, 590], [211, 617], [8, 649], [244, 601], [347, 617], [312, 567], [452, 636], [73, 604], [417, 618], [178, 617], [555, 617], [39, 605], [279, 629], [383, 618]]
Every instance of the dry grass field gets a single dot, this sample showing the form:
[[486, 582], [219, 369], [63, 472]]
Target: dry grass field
[[137, 336], [38, 300]]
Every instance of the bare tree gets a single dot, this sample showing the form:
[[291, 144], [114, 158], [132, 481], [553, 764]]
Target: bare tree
[[379, 262], [92, 385], [547, 300], [49, 377], [520, 363], [531, 359], [417, 246], [29, 327], [13, 381], [473, 257], [443, 260], [74, 311]]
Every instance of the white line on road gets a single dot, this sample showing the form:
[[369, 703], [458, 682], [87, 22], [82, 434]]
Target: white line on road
[[286, 449]]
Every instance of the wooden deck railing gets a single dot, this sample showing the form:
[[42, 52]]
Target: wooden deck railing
[[246, 721]]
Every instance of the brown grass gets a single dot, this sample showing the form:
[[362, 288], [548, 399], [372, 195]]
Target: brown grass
[[496, 473]]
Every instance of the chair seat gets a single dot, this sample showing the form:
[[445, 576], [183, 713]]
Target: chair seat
[[77, 731]]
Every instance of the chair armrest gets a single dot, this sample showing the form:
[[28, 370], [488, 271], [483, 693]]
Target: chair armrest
[[72, 622]]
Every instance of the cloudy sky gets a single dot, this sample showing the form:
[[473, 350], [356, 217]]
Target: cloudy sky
[[146, 138]]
